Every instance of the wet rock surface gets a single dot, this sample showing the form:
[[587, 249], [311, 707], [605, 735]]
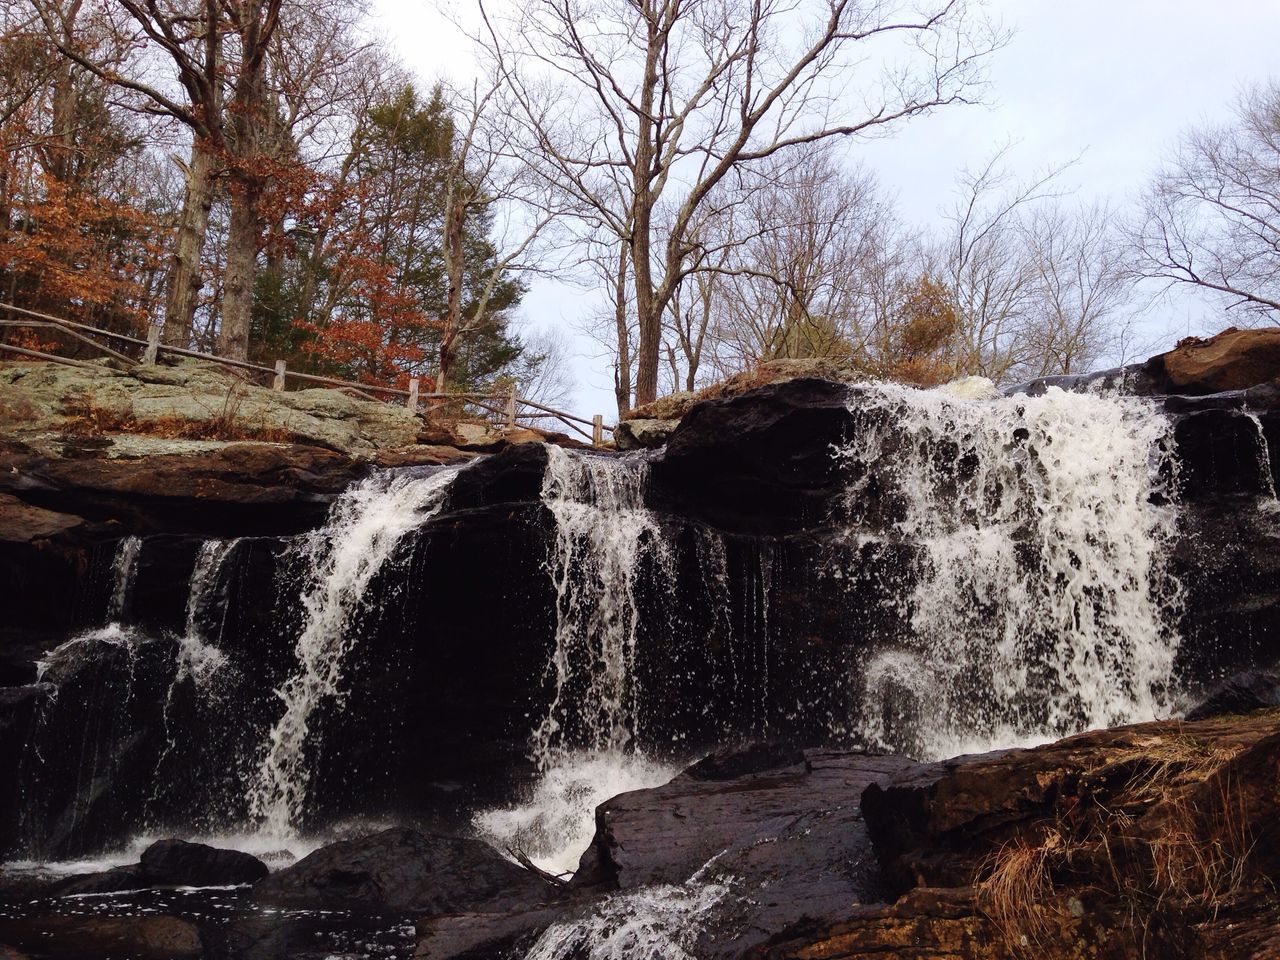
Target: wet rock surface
[[401, 869], [1092, 846]]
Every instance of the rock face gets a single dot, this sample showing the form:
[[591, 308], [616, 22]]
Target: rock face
[[403, 870], [1231, 360], [47, 399]]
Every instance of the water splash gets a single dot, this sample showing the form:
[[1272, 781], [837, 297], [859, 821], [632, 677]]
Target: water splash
[[1041, 599], [70, 656], [365, 531], [556, 824], [660, 922], [603, 531], [124, 571]]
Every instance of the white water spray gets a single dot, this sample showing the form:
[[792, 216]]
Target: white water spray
[[659, 922], [365, 531], [1042, 602]]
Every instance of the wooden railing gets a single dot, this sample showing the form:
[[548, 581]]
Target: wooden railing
[[508, 405]]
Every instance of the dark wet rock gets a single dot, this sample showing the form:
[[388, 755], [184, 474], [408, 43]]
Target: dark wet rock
[[181, 863], [782, 828], [171, 863], [105, 938], [401, 869], [1243, 692], [1098, 820], [759, 462], [482, 936]]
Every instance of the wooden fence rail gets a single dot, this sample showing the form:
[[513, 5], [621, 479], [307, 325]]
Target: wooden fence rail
[[510, 401]]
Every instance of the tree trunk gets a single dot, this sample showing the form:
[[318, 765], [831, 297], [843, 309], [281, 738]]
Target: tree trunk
[[184, 270], [242, 256], [622, 375], [454, 253]]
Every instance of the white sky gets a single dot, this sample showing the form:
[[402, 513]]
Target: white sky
[[1115, 79]]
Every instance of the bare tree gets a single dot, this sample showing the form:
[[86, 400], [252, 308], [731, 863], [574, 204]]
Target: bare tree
[[486, 180], [1079, 289], [1211, 219], [632, 104]]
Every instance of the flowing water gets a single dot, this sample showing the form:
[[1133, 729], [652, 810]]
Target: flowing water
[[124, 571], [366, 530], [584, 746], [1041, 601]]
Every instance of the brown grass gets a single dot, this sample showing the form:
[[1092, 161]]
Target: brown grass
[[1173, 836]]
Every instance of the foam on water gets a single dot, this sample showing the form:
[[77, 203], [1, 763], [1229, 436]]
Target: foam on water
[[1041, 602], [365, 531]]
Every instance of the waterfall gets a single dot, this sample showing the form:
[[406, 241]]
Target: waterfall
[[1040, 602], [1264, 459], [124, 570], [585, 744], [199, 659], [364, 532]]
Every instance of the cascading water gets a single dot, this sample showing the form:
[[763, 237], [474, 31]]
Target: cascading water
[[1272, 500], [124, 571], [366, 529], [1041, 601], [198, 658], [585, 745]]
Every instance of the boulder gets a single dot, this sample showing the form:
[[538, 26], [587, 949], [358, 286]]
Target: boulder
[[1231, 360], [171, 863], [1243, 692], [181, 863], [401, 869], [192, 399], [780, 827], [22, 523], [642, 434]]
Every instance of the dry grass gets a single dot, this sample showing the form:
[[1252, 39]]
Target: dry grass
[[1173, 835]]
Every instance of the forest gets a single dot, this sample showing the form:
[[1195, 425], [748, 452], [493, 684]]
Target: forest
[[268, 181]]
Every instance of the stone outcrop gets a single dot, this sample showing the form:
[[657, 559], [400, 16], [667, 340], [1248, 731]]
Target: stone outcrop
[[1157, 838], [1231, 360], [403, 870], [171, 863]]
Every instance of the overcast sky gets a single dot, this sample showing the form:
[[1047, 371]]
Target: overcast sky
[[1114, 80]]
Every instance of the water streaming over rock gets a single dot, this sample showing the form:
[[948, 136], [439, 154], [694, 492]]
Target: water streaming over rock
[[1264, 460], [584, 745], [1041, 602], [124, 570], [199, 658], [659, 922], [365, 532]]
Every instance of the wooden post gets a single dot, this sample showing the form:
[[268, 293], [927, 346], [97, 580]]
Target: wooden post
[[511, 408], [153, 344], [597, 429], [278, 384], [412, 402]]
